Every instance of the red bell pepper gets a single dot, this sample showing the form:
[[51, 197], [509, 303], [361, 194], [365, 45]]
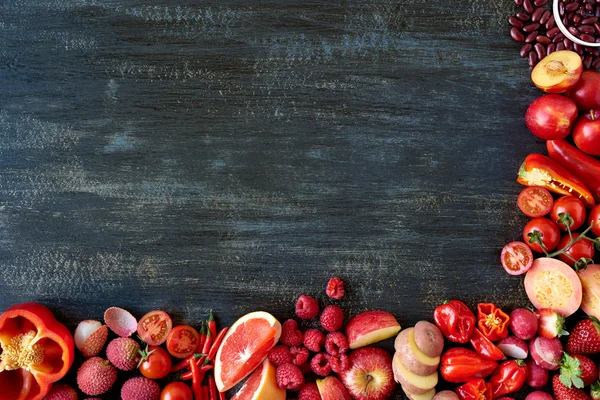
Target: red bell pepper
[[539, 170], [455, 320], [476, 389], [583, 166], [492, 321], [484, 347], [37, 351], [462, 365], [508, 378]]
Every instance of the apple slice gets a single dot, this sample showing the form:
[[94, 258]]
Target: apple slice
[[411, 356], [371, 327], [331, 388], [413, 383], [558, 72], [424, 396]]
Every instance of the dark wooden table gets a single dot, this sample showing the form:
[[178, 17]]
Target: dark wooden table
[[188, 155]]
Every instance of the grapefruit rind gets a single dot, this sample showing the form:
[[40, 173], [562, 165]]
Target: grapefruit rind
[[267, 388]]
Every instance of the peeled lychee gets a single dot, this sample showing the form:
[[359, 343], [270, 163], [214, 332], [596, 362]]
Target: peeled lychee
[[61, 391], [90, 337], [123, 353], [96, 376], [140, 388]]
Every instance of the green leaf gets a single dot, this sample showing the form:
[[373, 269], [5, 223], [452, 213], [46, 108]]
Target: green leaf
[[570, 371]]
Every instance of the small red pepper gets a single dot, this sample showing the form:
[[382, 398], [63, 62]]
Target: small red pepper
[[492, 321], [212, 324], [455, 320], [202, 338], [196, 381], [205, 391], [185, 362], [186, 376], [207, 342], [508, 378], [476, 389], [212, 388], [484, 347], [539, 170], [222, 396], [462, 365], [216, 344]]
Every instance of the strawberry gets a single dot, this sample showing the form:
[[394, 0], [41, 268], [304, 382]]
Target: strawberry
[[550, 323], [561, 392], [595, 391], [585, 337], [577, 370]]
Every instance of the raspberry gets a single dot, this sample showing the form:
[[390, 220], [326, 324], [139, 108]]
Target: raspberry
[[279, 355], [320, 364], [299, 355], [336, 343], [307, 307], [332, 318], [289, 377], [314, 340], [340, 363], [309, 391], [290, 334], [335, 288]]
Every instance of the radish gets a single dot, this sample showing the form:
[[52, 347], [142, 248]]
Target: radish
[[547, 353], [523, 323], [537, 377], [513, 347], [539, 395]]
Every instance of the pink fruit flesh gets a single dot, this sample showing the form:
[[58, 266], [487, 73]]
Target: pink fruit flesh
[[523, 323], [537, 377], [513, 347], [84, 330], [546, 353], [539, 395], [590, 281]]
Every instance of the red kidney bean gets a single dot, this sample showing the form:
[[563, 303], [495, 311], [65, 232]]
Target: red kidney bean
[[561, 9], [516, 35], [576, 18], [527, 47], [550, 49], [578, 49], [552, 32], [568, 44], [533, 60], [589, 8], [517, 23], [588, 38], [572, 30], [528, 6], [522, 16], [596, 63], [543, 39], [560, 46], [558, 38], [537, 15], [587, 61], [540, 3], [551, 22], [571, 7], [586, 29], [597, 27], [532, 27], [545, 17], [530, 38], [598, 40], [589, 20], [518, 3], [540, 50]]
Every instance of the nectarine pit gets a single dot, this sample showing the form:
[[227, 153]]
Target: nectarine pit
[[555, 68]]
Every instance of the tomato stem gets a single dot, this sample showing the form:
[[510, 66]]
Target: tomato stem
[[571, 242]]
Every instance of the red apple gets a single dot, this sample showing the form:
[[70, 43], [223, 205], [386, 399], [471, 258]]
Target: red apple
[[330, 388], [551, 116], [370, 327], [586, 94], [370, 376], [558, 72], [586, 133]]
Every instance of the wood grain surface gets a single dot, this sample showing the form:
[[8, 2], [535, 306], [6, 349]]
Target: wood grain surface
[[188, 155]]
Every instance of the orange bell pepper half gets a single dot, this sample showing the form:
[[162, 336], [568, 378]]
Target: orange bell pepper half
[[37, 350]]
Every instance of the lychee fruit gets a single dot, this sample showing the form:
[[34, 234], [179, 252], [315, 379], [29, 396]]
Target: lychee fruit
[[120, 321], [140, 388], [61, 391], [123, 353], [90, 337], [96, 376]]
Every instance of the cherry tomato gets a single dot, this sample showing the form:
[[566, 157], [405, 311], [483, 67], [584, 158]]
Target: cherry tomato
[[157, 365], [176, 391], [535, 201], [546, 230], [583, 248], [154, 327], [571, 205], [516, 258], [595, 219], [182, 341]]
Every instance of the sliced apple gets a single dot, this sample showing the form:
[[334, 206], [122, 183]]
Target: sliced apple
[[331, 388], [413, 383], [425, 396], [558, 72], [371, 327]]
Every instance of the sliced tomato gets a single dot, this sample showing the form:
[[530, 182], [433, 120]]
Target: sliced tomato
[[583, 248], [182, 341], [516, 258], [154, 327], [595, 220], [535, 201], [571, 205], [550, 283], [544, 230]]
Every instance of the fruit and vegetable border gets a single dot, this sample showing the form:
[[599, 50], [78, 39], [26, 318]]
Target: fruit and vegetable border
[[480, 354]]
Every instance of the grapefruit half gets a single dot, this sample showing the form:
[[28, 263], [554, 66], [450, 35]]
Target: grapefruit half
[[244, 347], [261, 385]]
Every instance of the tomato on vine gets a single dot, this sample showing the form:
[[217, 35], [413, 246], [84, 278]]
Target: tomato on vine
[[541, 235], [574, 207]]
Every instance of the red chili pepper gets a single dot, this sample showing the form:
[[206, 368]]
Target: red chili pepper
[[212, 387], [484, 347], [539, 170], [476, 389], [455, 320], [462, 365], [205, 391], [207, 343], [583, 166], [202, 338], [212, 324], [508, 378], [186, 376], [216, 344], [222, 396], [185, 362], [492, 321], [196, 381]]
